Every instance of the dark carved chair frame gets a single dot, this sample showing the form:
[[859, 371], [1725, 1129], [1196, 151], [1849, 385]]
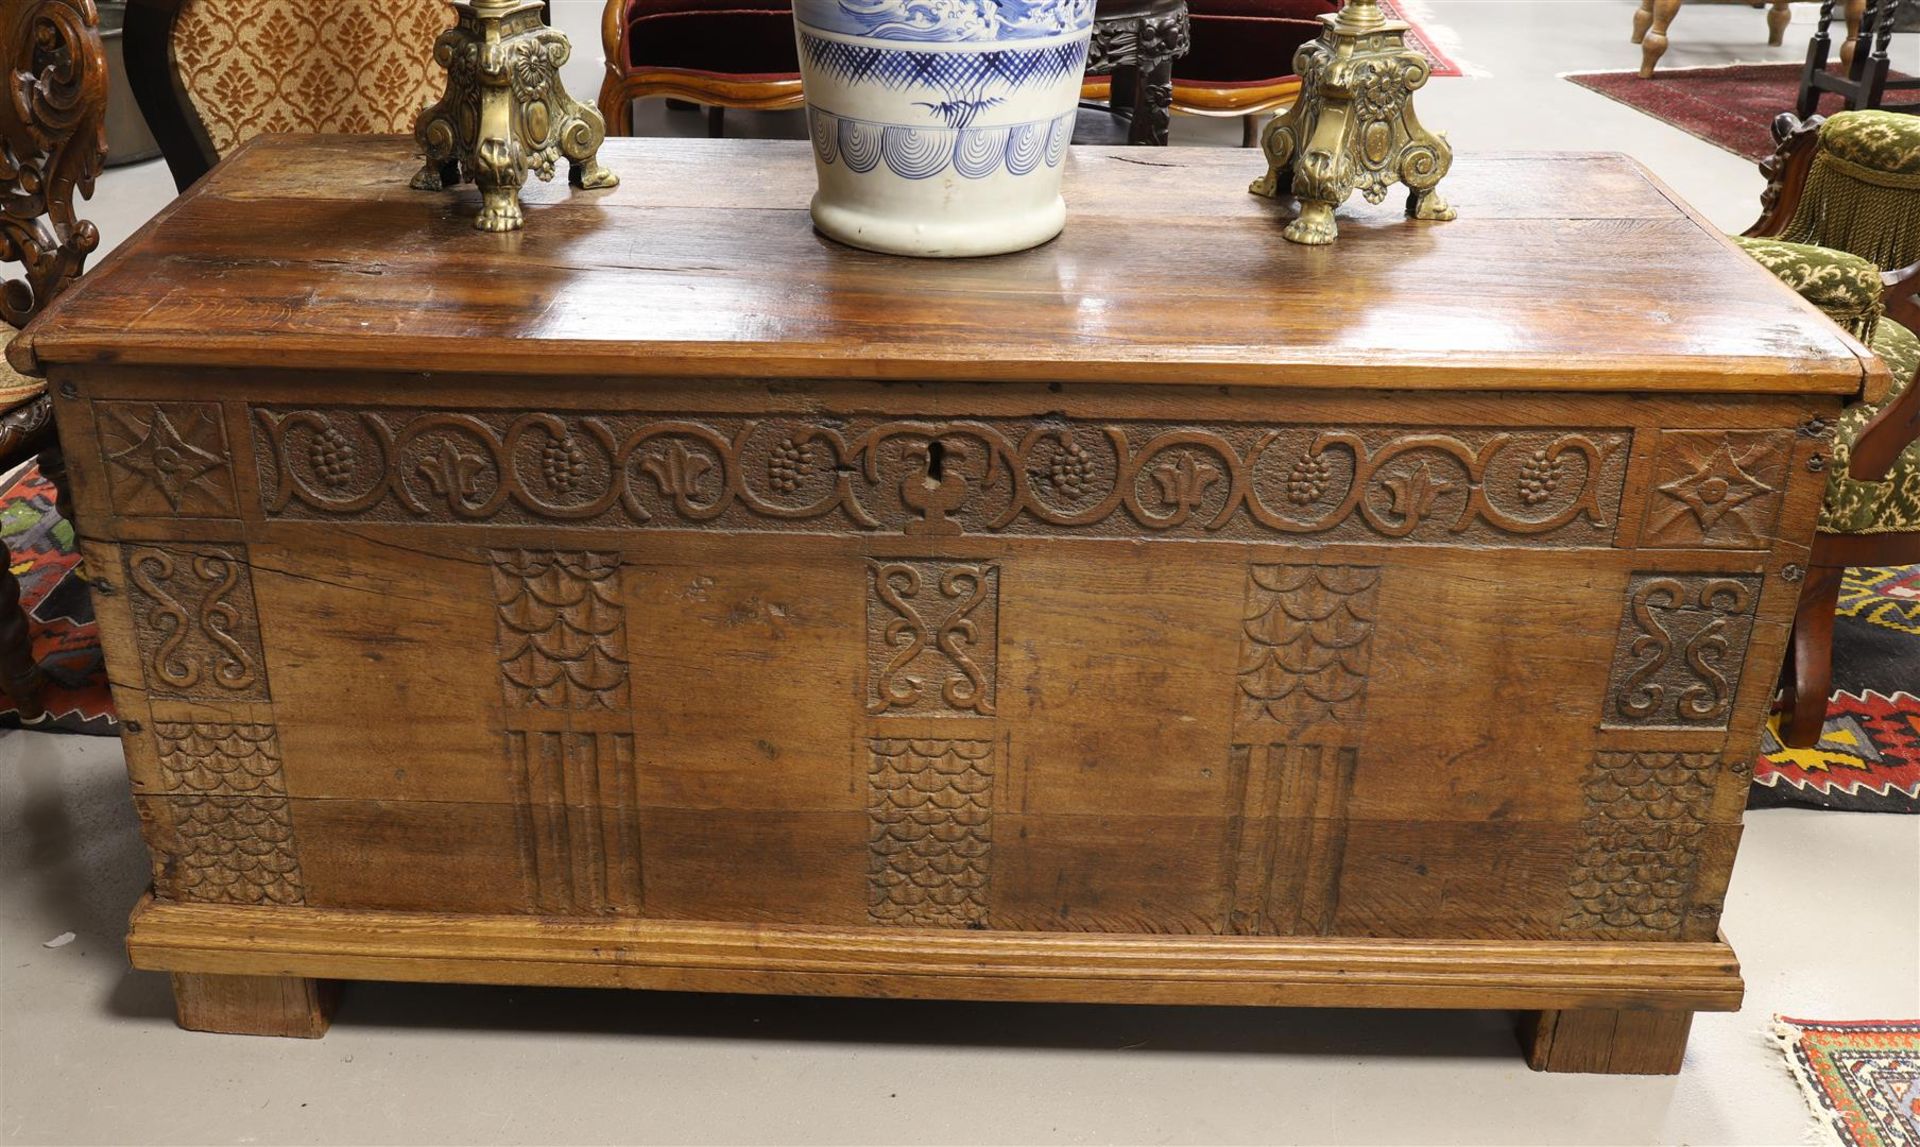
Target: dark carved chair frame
[[1807, 678], [1864, 82], [170, 114], [53, 145]]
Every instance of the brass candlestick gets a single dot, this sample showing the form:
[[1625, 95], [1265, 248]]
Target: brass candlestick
[[1354, 126], [506, 112]]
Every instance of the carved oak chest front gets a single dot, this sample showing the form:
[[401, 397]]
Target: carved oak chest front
[[670, 598]]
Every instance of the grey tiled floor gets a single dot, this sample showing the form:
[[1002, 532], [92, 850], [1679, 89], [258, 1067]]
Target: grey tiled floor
[[1823, 909]]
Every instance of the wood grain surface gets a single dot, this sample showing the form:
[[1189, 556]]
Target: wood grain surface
[[1565, 272], [667, 598]]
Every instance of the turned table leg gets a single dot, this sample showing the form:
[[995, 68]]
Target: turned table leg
[[1778, 17], [1642, 20], [253, 1005], [1653, 45], [1606, 1041]]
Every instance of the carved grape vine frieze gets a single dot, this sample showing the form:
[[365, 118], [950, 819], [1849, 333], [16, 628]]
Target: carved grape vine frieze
[[562, 629], [166, 458], [930, 816], [1645, 815], [1038, 476], [1306, 642], [1682, 645], [932, 637], [231, 824], [195, 622], [1717, 489]]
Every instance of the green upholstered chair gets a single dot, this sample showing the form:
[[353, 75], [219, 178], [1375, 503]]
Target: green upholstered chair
[[1841, 224]]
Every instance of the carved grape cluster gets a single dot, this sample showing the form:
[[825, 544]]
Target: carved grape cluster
[[1308, 480], [332, 457], [1539, 475], [1070, 470], [563, 464], [791, 461]]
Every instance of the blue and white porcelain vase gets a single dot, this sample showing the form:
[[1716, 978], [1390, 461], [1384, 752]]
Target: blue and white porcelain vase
[[940, 126]]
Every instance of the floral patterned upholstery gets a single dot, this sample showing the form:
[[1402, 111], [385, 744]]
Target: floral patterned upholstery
[[1892, 506], [256, 66], [1845, 286]]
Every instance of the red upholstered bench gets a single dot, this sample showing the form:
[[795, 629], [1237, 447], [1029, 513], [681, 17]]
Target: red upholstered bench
[[740, 54]]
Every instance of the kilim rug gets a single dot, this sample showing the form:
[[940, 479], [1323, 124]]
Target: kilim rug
[[1868, 758], [1731, 108], [53, 588], [1860, 1077]]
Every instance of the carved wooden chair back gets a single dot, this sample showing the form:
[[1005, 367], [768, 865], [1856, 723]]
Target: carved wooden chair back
[[53, 144], [211, 74]]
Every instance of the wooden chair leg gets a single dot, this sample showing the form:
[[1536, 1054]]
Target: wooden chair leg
[[616, 107], [1811, 680], [1605, 1041], [253, 1005], [1654, 44], [1642, 20], [1778, 17], [19, 673], [1856, 12]]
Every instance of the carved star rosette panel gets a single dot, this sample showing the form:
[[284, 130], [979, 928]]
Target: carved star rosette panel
[[1040, 477], [166, 458], [1717, 489]]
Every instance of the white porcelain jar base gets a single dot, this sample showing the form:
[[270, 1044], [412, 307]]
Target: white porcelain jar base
[[891, 235]]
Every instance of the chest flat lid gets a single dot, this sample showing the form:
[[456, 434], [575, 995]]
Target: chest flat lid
[[1564, 272]]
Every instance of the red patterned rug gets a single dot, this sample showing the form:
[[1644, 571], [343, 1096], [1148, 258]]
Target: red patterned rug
[[1868, 758], [1860, 1077], [53, 588], [1731, 108], [1419, 38]]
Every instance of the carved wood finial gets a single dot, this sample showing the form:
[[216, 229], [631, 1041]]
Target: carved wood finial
[[53, 142]]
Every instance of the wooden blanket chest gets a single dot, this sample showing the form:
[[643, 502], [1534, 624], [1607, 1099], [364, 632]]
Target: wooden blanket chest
[[666, 597]]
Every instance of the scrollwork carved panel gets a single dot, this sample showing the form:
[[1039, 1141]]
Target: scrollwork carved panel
[[1682, 645], [195, 622], [932, 637], [1040, 477]]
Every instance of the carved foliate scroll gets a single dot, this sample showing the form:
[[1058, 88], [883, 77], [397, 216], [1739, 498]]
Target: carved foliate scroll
[[166, 458], [1306, 642], [930, 814], [932, 637], [53, 144], [1646, 814], [930, 478], [229, 832], [1717, 489], [196, 623], [1682, 645]]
